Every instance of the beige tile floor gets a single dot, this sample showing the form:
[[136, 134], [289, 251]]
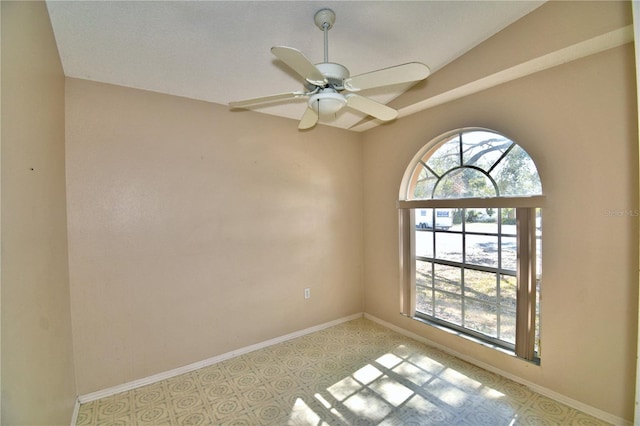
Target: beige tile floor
[[356, 373]]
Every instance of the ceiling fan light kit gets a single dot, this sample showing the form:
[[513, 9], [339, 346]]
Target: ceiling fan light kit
[[327, 101], [325, 82]]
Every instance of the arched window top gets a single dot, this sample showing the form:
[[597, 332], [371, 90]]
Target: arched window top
[[472, 163]]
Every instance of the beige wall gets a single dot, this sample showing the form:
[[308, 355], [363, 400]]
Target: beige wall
[[37, 366], [193, 230], [579, 123], [551, 27]]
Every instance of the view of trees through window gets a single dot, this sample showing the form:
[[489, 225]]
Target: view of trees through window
[[466, 259], [477, 164]]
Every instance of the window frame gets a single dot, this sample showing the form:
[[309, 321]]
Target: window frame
[[526, 274]]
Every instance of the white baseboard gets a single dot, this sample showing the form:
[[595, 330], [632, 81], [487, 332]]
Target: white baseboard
[[207, 362], [595, 412]]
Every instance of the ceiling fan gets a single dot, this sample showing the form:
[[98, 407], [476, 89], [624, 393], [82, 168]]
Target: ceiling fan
[[325, 82]]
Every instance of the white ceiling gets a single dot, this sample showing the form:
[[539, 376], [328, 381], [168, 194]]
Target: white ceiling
[[219, 51]]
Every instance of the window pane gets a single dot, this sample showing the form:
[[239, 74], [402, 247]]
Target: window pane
[[446, 157], [424, 278], [424, 184], [509, 253], [516, 174], [481, 250], [508, 287], [508, 218], [449, 246], [483, 220], [481, 285], [448, 307], [508, 325], [424, 243], [424, 218], [464, 183], [424, 285], [508, 291], [444, 218], [424, 301], [458, 214], [481, 317], [483, 149], [447, 278]]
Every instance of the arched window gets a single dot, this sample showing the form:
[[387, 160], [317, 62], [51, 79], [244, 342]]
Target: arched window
[[471, 238]]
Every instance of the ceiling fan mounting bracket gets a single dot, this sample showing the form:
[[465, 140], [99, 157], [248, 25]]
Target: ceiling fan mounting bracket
[[324, 17]]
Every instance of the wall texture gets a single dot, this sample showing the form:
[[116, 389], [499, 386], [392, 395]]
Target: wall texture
[[38, 384], [578, 122], [193, 230]]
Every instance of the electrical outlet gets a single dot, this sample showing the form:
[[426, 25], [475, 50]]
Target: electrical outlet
[[307, 293]]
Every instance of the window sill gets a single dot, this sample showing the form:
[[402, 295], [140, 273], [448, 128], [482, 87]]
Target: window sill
[[506, 351]]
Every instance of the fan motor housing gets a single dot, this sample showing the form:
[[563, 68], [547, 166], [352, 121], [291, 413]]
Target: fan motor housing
[[334, 73]]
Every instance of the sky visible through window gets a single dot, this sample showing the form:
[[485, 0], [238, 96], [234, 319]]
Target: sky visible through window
[[476, 164]]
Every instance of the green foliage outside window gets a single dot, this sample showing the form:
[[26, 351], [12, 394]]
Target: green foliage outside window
[[476, 164]]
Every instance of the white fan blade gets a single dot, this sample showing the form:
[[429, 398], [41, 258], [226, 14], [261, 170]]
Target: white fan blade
[[300, 64], [250, 102], [371, 107], [309, 119], [413, 71]]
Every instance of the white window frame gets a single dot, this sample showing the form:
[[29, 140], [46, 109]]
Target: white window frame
[[526, 269], [526, 274]]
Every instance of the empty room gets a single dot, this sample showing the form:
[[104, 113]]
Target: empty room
[[319, 213]]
